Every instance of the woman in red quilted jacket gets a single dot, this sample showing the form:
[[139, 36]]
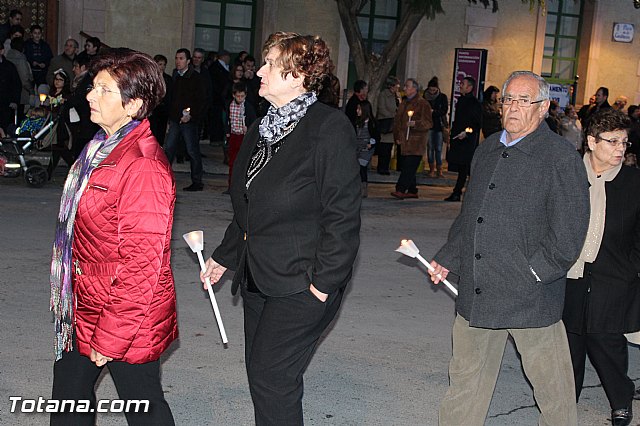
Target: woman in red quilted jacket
[[112, 291]]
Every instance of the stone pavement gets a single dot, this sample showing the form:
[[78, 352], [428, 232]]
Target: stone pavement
[[384, 361]]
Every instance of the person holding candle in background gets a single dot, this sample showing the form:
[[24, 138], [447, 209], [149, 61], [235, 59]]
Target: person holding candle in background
[[294, 236], [410, 128], [186, 110], [465, 134]]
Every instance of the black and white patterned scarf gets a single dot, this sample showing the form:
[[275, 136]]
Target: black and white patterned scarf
[[274, 127]]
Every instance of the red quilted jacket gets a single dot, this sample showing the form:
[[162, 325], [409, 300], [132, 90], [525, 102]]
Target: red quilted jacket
[[123, 285]]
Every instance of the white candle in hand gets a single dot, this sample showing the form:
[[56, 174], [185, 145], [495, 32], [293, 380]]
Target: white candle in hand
[[408, 248], [410, 114]]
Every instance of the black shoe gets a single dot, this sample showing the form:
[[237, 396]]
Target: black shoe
[[621, 416], [453, 197], [194, 187], [636, 394]]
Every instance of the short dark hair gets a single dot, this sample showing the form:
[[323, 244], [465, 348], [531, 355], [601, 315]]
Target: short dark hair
[[632, 109], [359, 85], [137, 77], [248, 58], [17, 44], [471, 80], [159, 57], [391, 81], [186, 52], [605, 91], [35, 27], [200, 50], [240, 86], [16, 29], [82, 60], [14, 13], [607, 120], [95, 41]]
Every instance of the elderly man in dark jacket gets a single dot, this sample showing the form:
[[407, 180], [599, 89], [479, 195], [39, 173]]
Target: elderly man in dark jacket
[[512, 245]]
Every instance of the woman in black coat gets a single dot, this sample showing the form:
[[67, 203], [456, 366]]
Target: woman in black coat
[[294, 236], [603, 290]]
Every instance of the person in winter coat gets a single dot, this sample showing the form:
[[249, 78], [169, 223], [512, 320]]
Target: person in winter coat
[[602, 298], [112, 290], [412, 122], [465, 134], [440, 106], [296, 225]]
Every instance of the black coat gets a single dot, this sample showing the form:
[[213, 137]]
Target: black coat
[[607, 298], [468, 114], [10, 88], [299, 221]]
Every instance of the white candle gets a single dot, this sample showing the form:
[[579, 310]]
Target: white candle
[[408, 248], [410, 114]]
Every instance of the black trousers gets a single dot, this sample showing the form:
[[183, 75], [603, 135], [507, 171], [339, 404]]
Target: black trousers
[[609, 355], [281, 334], [75, 376], [364, 175], [463, 172], [407, 180], [383, 150]]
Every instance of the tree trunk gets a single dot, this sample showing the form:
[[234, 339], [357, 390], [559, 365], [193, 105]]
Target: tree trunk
[[369, 67]]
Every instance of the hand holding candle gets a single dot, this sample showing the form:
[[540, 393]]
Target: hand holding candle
[[409, 123], [408, 248], [195, 240], [186, 115]]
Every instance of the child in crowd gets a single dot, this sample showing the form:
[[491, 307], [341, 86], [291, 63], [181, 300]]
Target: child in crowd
[[240, 115], [35, 120], [368, 135]]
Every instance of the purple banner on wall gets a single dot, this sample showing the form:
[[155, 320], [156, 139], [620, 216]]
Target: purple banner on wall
[[468, 63]]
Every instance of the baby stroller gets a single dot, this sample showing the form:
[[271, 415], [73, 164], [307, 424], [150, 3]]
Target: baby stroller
[[25, 155]]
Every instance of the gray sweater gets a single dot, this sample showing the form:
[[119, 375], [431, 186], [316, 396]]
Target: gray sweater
[[524, 217]]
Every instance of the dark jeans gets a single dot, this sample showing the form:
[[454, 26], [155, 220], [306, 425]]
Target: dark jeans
[[189, 132], [364, 176], [407, 179], [75, 376], [609, 354], [463, 172], [281, 334], [383, 150]]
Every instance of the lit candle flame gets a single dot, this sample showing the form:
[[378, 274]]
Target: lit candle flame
[[43, 97], [410, 114], [468, 130]]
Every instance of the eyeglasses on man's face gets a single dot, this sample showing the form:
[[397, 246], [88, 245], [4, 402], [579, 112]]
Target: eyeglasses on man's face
[[521, 102], [614, 143], [100, 90]]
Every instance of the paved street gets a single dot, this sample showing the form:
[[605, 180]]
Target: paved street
[[384, 361]]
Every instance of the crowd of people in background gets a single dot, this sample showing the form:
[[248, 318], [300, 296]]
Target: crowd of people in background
[[214, 96]]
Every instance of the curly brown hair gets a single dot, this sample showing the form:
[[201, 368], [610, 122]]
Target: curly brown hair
[[306, 55], [607, 120], [137, 76]]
